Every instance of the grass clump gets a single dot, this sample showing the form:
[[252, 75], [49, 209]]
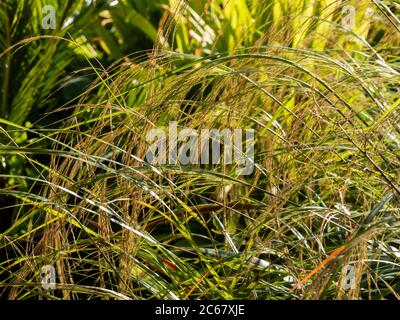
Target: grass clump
[[323, 196]]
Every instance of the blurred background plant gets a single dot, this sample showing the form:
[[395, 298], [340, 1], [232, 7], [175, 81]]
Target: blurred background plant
[[317, 80]]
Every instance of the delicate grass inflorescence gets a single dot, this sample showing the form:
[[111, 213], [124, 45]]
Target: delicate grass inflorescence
[[321, 203]]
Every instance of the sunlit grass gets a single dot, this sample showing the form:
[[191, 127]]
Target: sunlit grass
[[323, 195]]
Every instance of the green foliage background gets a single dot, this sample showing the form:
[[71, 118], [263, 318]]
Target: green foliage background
[[319, 86]]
